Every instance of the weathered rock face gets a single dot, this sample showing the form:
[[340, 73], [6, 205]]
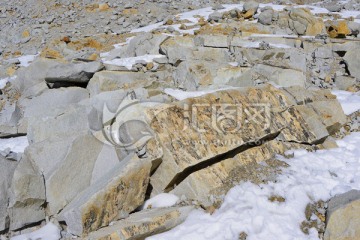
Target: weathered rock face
[[7, 169], [303, 22], [72, 73], [194, 134], [342, 217], [113, 197], [27, 195], [210, 184], [143, 224], [30, 80]]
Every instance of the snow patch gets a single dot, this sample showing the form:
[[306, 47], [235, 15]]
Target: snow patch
[[4, 81], [26, 60], [49, 232], [129, 62], [350, 102], [17, 144], [161, 200], [181, 95]]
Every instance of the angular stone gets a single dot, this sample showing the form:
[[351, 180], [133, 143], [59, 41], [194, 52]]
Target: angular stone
[[27, 195], [46, 104], [342, 217], [72, 72], [112, 80], [113, 197], [144, 44], [7, 169], [33, 75], [280, 76], [304, 126], [76, 166], [331, 114], [338, 29], [178, 48], [233, 76], [344, 82], [10, 115], [217, 41], [250, 5], [143, 224], [303, 96]]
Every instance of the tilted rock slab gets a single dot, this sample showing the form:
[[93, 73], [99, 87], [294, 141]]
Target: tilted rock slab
[[143, 224], [112, 197], [27, 195], [72, 72], [342, 217], [7, 169], [196, 133]]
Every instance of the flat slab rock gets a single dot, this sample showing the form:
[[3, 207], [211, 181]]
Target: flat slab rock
[[143, 224], [112, 197]]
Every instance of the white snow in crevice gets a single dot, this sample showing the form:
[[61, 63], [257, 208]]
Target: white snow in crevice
[[129, 62], [4, 81], [161, 200], [311, 176], [26, 60], [16, 144], [49, 232], [181, 95], [350, 102], [127, 41]]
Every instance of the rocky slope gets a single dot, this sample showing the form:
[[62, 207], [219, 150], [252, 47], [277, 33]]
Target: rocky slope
[[189, 106]]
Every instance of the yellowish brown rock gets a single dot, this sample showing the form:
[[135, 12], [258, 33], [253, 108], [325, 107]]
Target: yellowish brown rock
[[143, 224], [26, 34], [196, 131], [343, 218], [113, 197], [103, 7], [338, 29], [249, 14]]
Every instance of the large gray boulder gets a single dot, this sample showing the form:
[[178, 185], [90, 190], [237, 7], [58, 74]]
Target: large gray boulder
[[143, 44], [250, 5], [113, 197], [31, 80], [266, 17], [74, 164], [342, 217], [7, 169], [80, 72]]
